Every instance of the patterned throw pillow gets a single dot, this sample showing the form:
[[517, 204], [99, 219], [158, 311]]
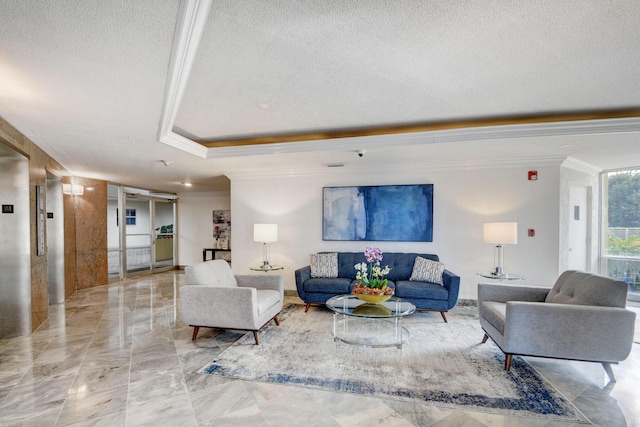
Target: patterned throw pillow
[[324, 265], [426, 270]]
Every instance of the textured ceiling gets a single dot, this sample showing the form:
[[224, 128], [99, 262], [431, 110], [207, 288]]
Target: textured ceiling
[[335, 64], [86, 81]]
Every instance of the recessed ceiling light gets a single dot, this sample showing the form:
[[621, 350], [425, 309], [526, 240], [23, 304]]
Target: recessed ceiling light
[[89, 188], [187, 184], [564, 146], [264, 106]]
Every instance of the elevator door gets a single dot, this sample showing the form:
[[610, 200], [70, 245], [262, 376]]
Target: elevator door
[[55, 240], [15, 251]]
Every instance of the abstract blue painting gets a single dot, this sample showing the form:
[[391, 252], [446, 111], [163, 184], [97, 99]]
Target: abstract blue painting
[[401, 213]]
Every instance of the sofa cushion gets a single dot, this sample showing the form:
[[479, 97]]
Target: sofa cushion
[[578, 287], [401, 264], [495, 312], [426, 270], [337, 286], [267, 298], [420, 290], [215, 273], [324, 264], [346, 263]]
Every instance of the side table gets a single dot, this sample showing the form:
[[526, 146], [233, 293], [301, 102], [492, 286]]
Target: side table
[[213, 252], [273, 267], [505, 276]]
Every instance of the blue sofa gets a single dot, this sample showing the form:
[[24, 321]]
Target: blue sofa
[[424, 295]]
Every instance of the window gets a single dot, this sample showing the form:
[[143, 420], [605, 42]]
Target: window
[[130, 216], [621, 228]]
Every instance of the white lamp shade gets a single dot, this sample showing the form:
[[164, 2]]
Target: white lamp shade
[[501, 233], [265, 233]]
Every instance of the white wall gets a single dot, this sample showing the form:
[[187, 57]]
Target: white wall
[[464, 198], [195, 224]]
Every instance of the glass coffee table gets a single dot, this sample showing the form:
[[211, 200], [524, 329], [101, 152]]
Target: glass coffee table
[[369, 325]]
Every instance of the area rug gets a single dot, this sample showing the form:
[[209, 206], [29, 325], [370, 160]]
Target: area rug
[[442, 364]]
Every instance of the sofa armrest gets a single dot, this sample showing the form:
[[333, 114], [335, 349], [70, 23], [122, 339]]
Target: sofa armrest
[[503, 293], [262, 282], [302, 275], [451, 282], [582, 332], [221, 307]]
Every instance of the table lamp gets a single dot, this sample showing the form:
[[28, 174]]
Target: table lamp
[[499, 234], [265, 234]]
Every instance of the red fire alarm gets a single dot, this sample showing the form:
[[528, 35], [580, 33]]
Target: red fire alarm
[[531, 232], [533, 175]]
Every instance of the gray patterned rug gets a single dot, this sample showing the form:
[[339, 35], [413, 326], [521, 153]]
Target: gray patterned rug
[[442, 364]]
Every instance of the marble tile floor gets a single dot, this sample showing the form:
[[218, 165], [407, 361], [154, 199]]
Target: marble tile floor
[[119, 355]]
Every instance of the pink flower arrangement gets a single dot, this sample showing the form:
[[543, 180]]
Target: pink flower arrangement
[[373, 255]]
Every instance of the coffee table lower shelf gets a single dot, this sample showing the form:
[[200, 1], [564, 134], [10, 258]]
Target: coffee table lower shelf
[[369, 332]]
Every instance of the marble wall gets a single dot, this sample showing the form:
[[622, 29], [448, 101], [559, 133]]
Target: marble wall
[[85, 227], [90, 213]]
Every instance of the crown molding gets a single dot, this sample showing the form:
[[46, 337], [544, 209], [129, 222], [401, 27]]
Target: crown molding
[[580, 166], [192, 19], [184, 144]]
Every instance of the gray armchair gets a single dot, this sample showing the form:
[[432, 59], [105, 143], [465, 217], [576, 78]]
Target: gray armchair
[[213, 297], [583, 317]]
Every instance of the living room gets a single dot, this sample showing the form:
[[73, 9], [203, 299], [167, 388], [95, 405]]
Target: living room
[[473, 99]]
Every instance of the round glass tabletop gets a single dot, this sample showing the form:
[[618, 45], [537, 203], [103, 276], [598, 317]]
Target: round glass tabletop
[[350, 305]]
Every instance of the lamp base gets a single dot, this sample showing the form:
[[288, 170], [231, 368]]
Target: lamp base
[[499, 272]]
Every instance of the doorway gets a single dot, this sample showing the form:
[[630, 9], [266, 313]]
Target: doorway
[[579, 236], [141, 232]]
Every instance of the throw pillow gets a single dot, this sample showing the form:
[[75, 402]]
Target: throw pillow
[[426, 270], [324, 265]]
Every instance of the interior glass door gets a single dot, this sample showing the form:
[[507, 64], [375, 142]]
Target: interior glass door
[[138, 235], [163, 234]]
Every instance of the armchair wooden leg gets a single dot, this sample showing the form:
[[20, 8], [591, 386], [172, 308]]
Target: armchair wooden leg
[[508, 358], [444, 317], [255, 335], [195, 332], [485, 338], [276, 319], [306, 308]]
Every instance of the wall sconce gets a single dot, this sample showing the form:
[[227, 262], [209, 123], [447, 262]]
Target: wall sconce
[[73, 189], [265, 234], [499, 234]]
